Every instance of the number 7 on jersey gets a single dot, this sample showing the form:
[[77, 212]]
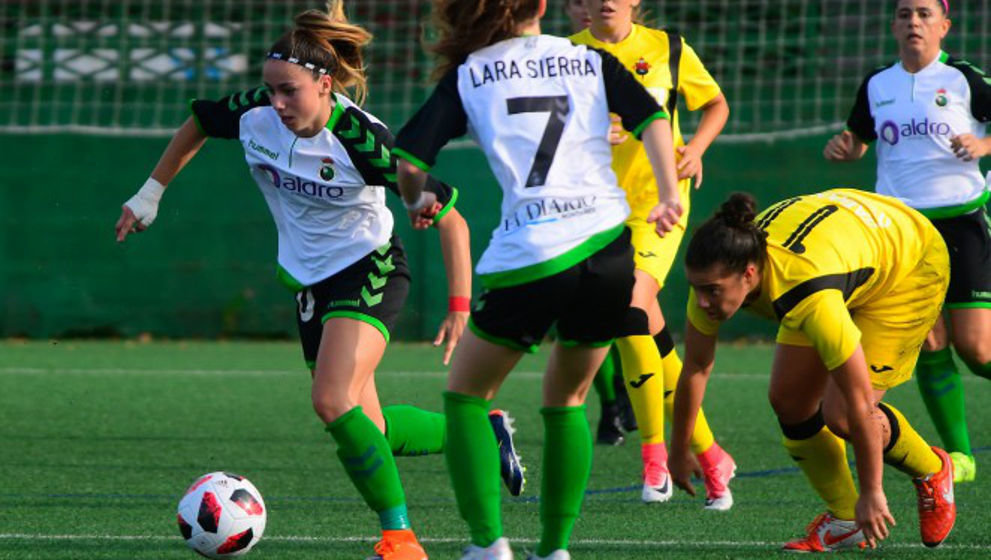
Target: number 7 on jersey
[[558, 107]]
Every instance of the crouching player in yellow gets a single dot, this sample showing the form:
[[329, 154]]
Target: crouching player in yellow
[[856, 281]]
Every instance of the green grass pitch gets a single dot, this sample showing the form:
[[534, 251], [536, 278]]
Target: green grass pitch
[[99, 439]]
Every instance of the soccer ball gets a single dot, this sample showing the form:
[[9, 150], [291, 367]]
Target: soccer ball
[[222, 515]]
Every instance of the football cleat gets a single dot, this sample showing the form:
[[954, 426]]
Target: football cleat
[[398, 545], [559, 554], [510, 467], [718, 468], [657, 486], [609, 431], [937, 510], [828, 534], [498, 550], [964, 467]]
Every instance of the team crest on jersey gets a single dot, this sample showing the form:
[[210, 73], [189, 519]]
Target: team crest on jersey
[[941, 98], [327, 169], [641, 67]]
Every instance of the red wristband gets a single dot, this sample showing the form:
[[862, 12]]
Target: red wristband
[[459, 303]]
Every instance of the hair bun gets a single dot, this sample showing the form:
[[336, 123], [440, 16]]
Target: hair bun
[[739, 210]]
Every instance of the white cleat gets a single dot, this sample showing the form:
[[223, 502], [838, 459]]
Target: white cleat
[[657, 493], [498, 550]]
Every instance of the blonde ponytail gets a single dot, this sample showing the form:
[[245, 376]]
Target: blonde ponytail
[[325, 42]]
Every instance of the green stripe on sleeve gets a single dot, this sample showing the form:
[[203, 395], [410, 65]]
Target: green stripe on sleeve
[[401, 153], [662, 114], [447, 207]]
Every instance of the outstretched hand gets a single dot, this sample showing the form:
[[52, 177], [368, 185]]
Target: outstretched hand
[[451, 330], [872, 514], [681, 466], [127, 223]]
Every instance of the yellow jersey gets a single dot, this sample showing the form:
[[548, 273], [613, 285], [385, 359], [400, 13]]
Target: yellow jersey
[[834, 255], [645, 53]]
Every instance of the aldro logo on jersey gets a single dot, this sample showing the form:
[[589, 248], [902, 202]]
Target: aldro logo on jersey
[[641, 67], [892, 132], [327, 169], [300, 186]]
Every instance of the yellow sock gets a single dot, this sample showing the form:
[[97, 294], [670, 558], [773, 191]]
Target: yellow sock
[[907, 451], [702, 438], [822, 457], [644, 375]]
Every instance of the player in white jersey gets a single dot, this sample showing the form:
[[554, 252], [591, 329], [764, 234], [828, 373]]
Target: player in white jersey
[[323, 166], [929, 113], [538, 106]]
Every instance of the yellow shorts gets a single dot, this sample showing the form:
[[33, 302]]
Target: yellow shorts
[[654, 254], [894, 326]]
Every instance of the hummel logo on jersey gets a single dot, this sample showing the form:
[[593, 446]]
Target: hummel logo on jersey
[[646, 254], [884, 102], [881, 369], [830, 538], [262, 149], [644, 377]]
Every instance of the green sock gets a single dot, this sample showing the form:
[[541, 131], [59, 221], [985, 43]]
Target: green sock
[[472, 457], [604, 379], [413, 431], [368, 461], [567, 463], [942, 391]]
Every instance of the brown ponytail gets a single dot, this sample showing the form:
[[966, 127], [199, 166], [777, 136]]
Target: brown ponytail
[[327, 41], [464, 26]]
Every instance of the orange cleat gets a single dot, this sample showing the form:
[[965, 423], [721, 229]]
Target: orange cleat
[[398, 545], [937, 510], [828, 534]]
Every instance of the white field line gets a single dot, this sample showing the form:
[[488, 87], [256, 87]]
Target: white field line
[[633, 543]]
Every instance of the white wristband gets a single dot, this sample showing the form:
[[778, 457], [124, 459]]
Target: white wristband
[[144, 203], [420, 202]]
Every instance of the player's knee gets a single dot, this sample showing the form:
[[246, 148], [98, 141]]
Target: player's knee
[[788, 409], [330, 407], [974, 350]]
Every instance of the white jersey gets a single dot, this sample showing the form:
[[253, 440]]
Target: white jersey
[[914, 116], [326, 193], [538, 106]]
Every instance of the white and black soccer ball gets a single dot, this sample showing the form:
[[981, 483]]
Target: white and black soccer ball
[[222, 515]]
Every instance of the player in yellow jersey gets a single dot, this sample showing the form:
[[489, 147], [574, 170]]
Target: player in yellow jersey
[[650, 363], [856, 280]]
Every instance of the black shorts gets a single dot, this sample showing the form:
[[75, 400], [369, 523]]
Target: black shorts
[[372, 290], [968, 238], [588, 302]]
